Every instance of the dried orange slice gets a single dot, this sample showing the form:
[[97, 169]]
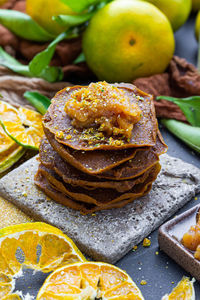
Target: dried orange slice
[[183, 291], [10, 152], [22, 125], [89, 281], [12, 297], [34, 246], [5, 141], [10, 156]]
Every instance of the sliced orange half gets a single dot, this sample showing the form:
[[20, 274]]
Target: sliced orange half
[[183, 291], [36, 246], [89, 281], [22, 125]]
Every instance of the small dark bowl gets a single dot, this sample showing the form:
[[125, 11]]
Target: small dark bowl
[[169, 239]]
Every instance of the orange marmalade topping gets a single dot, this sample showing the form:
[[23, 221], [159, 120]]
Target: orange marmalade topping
[[105, 106], [191, 240]]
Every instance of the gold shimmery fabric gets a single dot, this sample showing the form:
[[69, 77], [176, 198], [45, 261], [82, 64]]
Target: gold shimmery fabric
[[11, 215]]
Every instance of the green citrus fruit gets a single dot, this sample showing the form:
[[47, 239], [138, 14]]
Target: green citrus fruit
[[197, 26], [128, 39], [2, 2], [195, 5], [177, 11], [42, 12]]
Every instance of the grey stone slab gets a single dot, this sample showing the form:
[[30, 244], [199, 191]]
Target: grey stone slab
[[110, 234]]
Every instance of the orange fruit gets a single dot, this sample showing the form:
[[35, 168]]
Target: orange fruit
[[177, 11], [22, 125], [3, 2], [89, 280], [197, 26], [42, 12], [195, 5], [36, 246], [128, 39], [183, 291]]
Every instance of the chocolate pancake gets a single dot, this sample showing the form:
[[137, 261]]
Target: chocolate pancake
[[99, 197], [92, 162], [70, 175], [143, 134], [99, 162], [142, 161], [85, 208]]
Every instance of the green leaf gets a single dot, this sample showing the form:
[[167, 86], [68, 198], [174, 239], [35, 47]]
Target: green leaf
[[190, 107], [11, 63], [79, 59], [80, 5], [187, 133], [42, 59], [50, 74], [68, 20], [39, 101], [24, 26]]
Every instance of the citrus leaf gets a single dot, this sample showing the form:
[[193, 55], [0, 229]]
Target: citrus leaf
[[80, 5], [79, 59], [68, 20], [190, 107], [50, 74], [188, 134], [42, 59], [11, 63], [24, 26], [39, 101]]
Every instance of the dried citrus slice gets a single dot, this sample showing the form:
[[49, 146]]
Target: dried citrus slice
[[10, 152], [12, 297], [183, 291], [22, 125], [5, 141], [89, 281], [10, 157], [33, 246]]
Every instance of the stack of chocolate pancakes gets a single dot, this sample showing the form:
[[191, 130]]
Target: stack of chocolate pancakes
[[86, 172]]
